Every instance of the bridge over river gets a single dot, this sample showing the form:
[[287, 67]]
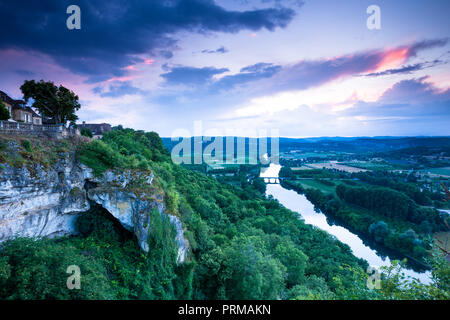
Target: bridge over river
[[272, 180]]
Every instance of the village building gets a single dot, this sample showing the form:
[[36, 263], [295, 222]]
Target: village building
[[7, 101], [97, 129], [19, 112]]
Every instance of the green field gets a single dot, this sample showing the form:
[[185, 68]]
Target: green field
[[305, 155], [369, 165], [301, 168], [438, 171], [317, 184]]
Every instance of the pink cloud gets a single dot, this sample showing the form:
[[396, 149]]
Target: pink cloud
[[122, 79], [312, 73], [130, 68], [393, 58]]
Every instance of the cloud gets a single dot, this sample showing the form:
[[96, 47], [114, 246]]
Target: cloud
[[291, 3], [246, 75], [408, 107], [190, 76], [406, 69], [307, 74], [115, 32], [413, 99], [415, 91], [265, 79], [426, 44], [204, 78], [268, 78], [117, 89], [220, 50], [254, 85], [266, 87]]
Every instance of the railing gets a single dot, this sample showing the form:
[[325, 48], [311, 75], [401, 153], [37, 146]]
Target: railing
[[53, 130]]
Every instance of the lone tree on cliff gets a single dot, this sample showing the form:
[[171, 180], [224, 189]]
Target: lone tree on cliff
[[4, 113], [57, 104]]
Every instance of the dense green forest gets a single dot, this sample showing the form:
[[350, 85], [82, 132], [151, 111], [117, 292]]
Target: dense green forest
[[242, 245]]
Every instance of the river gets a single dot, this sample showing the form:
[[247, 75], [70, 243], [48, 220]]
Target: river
[[299, 203]]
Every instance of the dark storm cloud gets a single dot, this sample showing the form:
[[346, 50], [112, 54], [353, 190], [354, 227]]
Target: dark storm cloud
[[294, 3], [112, 31]]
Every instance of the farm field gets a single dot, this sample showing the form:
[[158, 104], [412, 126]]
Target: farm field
[[444, 172], [305, 155], [335, 165], [325, 186], [367, 165], [301, 168], [317, 184]]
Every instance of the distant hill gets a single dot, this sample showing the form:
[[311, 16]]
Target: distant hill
[[345, 144]]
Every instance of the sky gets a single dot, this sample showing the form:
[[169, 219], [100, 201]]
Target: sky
[[239, 67]]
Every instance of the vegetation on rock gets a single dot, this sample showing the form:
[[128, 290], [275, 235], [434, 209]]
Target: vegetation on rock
[[242, 245]]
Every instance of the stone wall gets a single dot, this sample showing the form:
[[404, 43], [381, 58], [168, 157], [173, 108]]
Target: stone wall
[[47, 130]]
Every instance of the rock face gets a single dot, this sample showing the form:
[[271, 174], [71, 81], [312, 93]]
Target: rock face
[[46, 202], [41, 202], [117, 194]]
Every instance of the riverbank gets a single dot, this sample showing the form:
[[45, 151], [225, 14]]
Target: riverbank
[[300, 204]]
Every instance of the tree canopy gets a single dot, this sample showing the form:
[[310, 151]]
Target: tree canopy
[[58, 104]]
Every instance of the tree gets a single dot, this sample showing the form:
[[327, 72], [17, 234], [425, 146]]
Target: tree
[[59, 104], [4, 113], [293, 259], [86, 132], [259, 185], [379, 230], [286, 172]]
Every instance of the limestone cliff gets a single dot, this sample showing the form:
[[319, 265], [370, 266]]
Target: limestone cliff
[[39, 201]]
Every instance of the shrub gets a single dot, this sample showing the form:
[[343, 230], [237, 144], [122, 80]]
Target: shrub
[[100, 157], [27, 145], [86, 132], [36, 269]]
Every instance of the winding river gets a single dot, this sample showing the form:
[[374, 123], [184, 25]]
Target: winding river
[[299, 203]]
